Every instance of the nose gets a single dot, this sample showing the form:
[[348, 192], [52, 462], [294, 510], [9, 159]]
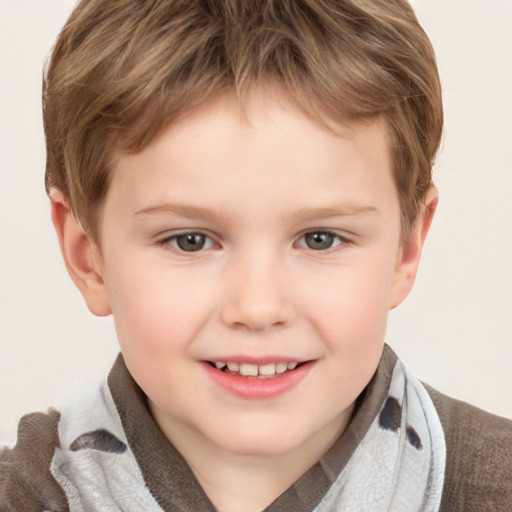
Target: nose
[[259, 295]]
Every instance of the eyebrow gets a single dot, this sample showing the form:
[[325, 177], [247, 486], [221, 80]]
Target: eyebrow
[[186, 211], [194, 212], [349, 210]]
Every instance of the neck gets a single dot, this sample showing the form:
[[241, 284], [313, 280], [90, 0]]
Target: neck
[[247, 481]]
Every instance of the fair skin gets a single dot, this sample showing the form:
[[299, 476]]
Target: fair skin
[[257, 241]]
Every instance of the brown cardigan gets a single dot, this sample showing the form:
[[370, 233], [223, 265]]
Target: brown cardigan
[[478, 474]]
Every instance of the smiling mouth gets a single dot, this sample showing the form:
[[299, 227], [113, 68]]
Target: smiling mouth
[[263, 371]]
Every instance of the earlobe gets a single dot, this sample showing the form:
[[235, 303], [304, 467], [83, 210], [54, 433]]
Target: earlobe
[[81, 255], [410, 253]]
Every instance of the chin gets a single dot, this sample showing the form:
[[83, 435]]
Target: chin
[[268, 442]]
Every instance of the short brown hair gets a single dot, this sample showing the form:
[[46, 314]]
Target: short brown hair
[[122, 70]]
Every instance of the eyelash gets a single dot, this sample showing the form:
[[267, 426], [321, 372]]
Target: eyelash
[[341, 240], [172, 242], [167, 242]]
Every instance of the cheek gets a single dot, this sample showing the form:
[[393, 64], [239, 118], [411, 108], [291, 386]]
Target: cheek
[[153, 309], [351, 308], [352, 320]]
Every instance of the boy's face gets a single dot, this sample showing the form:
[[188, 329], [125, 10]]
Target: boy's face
[[256, 243]]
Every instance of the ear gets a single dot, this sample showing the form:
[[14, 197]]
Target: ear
[[81, 255], [410, 253]]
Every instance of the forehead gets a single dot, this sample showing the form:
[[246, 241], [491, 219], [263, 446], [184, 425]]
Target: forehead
[[267, 150]]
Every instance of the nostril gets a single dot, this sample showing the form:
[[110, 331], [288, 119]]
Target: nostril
[[257, 308]]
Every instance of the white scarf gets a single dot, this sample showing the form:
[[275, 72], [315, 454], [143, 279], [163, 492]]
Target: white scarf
[[399, 464], [397, 467]]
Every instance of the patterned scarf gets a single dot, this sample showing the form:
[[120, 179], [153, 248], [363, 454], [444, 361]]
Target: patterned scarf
[[398, 465]]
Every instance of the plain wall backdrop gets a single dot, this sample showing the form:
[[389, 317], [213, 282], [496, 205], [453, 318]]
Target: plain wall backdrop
[[455, 329]]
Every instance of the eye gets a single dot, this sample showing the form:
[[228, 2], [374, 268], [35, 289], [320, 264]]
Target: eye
[[189, 242], [320, 240]]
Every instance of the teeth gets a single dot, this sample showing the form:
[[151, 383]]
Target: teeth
[[253, 370], [249, 370], [281, 367], [267, 369]]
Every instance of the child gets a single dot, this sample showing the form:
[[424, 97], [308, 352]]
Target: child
[[246, 187]]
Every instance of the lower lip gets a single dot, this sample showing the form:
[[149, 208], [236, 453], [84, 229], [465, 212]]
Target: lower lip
[[258, 389]]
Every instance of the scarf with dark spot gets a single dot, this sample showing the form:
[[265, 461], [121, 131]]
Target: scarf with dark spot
[[399, 464], [104, 452]]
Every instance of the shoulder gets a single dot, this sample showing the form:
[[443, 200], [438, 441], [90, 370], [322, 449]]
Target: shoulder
[[478, 473], [26, 481]]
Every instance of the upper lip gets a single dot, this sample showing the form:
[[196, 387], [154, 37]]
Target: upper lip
[[256, 360]]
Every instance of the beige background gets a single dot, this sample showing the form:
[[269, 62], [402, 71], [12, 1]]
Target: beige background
[[456, 328]]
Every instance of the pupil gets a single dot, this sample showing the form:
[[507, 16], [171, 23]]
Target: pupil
[[319, 241], [191, 242]]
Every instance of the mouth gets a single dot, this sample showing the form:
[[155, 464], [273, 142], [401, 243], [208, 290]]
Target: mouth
[[262, 371], [257, 379]]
